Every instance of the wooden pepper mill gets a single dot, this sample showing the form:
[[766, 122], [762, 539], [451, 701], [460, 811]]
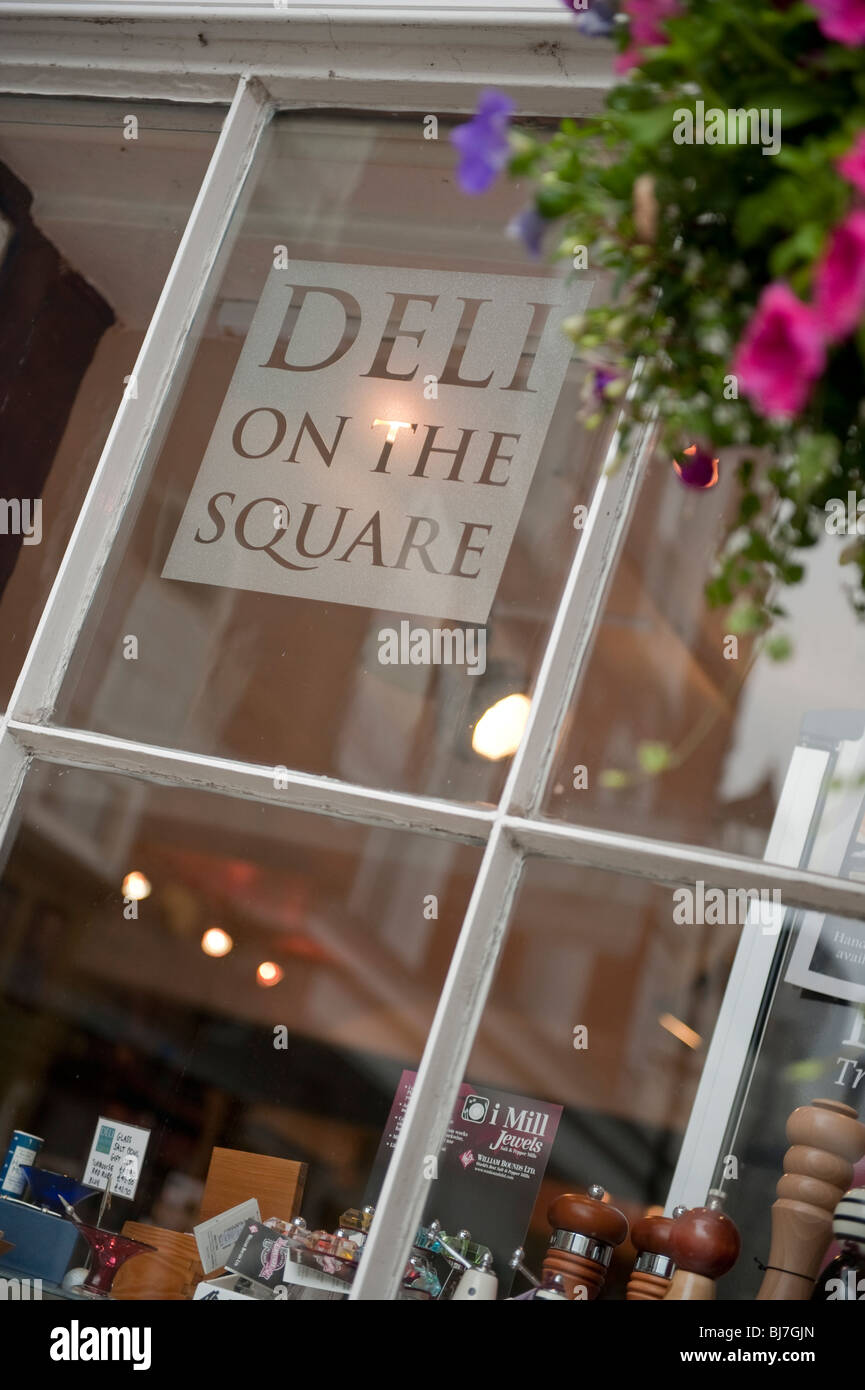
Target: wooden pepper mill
[[826, 1139], [704, 1244], [585, 1231], [654, 1266]]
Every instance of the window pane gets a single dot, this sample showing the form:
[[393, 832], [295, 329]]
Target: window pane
[[603, 1004], [94, 197], [812, 1049], [355, 242], [334, 942], [659, 686]]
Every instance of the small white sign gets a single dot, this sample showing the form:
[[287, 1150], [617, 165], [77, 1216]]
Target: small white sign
[[116, 1156], [216, 1237], [379, 437]]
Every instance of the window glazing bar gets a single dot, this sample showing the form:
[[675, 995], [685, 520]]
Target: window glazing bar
[[275, 785], [576, 622], [657, 861], [478, 948], [681, 865]]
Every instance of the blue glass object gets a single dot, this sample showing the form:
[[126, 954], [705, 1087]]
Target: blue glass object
[[46, 1188]]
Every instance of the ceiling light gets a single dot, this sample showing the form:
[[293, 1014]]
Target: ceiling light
[[268, 974], [498, 732], [216, 942], [136, 886]]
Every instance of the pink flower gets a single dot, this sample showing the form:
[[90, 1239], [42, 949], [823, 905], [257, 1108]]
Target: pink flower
[[781, 353], [839, 280], [852, 165], [645, 30], [843, 20]]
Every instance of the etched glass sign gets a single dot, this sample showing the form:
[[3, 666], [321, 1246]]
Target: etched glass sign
[[379, 437]]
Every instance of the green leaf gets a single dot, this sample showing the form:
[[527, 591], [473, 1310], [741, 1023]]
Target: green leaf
[[613, 777], [804, 245], [816, 459], [746, 617], [653, 757], [779, 648], [555, 199]]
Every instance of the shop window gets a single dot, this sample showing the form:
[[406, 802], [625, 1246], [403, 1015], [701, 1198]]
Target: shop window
[[219, 974]]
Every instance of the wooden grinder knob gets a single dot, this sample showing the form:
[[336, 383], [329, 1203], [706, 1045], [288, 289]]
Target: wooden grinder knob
[[704, 1244], [585, 1230], [653, 1270], [826, 1139]]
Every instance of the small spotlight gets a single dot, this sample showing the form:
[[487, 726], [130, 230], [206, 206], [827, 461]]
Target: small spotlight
[[498, 732], [216, 942], [136, 886], [268, 974]]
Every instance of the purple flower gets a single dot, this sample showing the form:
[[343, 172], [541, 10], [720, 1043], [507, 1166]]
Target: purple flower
[[781, 353], [851, 165], [601, 379], [843, 20], [528, 227], [697, 467], [483, 142], [839, 280]]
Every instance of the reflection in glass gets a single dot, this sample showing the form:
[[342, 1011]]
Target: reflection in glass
[[683, 733], [90, 220], [605, 1004], [109, 1006]]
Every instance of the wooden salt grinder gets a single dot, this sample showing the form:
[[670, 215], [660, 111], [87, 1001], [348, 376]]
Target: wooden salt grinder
[[826, 1139], [654, 1266], [704, 1244], [585, 1231]]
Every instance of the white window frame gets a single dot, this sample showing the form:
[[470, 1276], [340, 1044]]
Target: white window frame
[[263, 58]]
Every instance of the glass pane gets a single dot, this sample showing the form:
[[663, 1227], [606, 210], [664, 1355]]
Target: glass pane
[[355, 242], [679, 733], [605, 1005], [808, 1045], [94, 197], [812, 1049], [263, 996]]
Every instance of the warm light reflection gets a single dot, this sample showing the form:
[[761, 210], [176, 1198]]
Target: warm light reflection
[[216, 942], [268, 973], [680, 1030], [136, 886], [498, 732], [393, 428]]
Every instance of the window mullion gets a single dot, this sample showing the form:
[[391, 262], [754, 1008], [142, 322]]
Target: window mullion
[[478, 949], [445, 1056], [573, 632]]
